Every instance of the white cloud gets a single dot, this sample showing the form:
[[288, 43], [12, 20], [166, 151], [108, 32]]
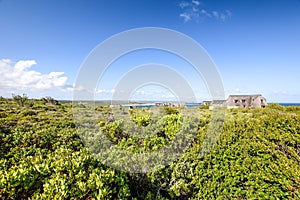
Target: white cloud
[[186, 17], [228, 13], [54, 74], [18, 76], [197, 3], [24, 64], [104, 91], [215, 14], [193, 10], [150, 95], [238, 90], [184, 4], [204, 12], [223, 17]]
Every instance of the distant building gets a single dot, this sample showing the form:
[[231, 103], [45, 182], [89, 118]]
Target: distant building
[[218, 103], [215, 103], [170, 104], [246, 101], [239, 101]]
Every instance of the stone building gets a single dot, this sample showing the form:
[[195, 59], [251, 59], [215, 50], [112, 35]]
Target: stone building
[[239, 101], [246, 101]]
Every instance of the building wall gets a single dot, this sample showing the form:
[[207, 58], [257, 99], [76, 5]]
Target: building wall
[[259, 102], [255, 101]]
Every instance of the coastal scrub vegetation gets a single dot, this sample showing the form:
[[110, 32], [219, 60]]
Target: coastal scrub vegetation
[[42, 156]]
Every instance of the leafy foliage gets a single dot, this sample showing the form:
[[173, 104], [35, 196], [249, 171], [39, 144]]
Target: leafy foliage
[[257, 155], [170, 110], [140, 116], [20, 100], [42, 157]]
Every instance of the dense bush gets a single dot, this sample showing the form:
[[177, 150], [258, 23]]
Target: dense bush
[[257, 155], [42, 157]]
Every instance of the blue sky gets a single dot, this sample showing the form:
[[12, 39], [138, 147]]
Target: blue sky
[[254, 44]]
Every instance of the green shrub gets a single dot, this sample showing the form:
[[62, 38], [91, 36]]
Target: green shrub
[[169, 110], [28, 113], [42, 156]]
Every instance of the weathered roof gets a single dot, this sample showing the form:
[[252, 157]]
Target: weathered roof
[[247, 95], [218, 101]]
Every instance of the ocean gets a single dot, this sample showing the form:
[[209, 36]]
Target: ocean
[[150, 105], [289, 104]]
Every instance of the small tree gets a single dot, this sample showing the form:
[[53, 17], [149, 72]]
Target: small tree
[[2, 99], [20, 100], [50, 100]]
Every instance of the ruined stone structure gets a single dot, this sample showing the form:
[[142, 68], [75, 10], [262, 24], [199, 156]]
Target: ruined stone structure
[[239, 101], [246, 101]]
